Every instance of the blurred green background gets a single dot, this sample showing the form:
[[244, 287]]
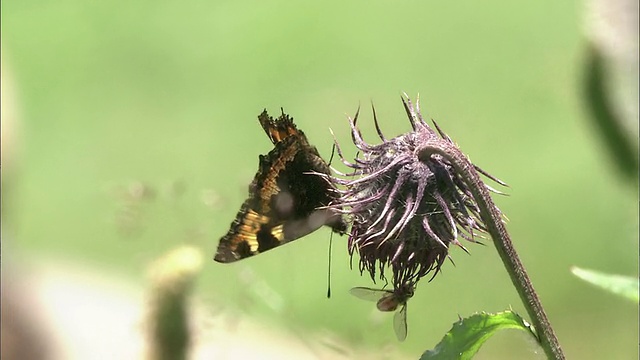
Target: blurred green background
[[139, 133]]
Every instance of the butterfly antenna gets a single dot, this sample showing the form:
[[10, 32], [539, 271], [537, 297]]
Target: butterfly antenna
[[333, 150], [329, 268]]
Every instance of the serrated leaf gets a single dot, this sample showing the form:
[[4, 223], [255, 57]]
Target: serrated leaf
[[625, 286], [467, 335]]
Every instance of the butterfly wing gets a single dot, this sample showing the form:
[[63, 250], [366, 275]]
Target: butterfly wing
[[279, 129], [400, 323], [301, 186], [284, 196]]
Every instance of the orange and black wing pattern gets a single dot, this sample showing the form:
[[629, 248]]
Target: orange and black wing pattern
[[286, 200]]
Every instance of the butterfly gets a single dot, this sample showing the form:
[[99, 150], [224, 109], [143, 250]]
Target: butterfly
[[288, 198], [388, 300]]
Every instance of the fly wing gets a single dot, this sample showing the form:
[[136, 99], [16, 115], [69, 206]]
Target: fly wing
[[368, 294], [400, 323]]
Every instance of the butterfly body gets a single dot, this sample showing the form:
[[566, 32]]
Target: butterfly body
[[287, 200]]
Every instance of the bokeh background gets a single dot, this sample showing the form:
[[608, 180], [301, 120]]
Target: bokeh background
[[132, 130]]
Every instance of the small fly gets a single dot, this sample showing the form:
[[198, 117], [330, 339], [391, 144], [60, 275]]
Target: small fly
[[388, 300]]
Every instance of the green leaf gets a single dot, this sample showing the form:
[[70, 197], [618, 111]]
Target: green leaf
[[625, 286], [467, 335]]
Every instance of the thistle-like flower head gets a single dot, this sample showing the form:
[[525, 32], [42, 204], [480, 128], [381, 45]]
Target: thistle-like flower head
[[405, 211]]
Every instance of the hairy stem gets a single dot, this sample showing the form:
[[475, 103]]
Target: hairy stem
[[491, 216]]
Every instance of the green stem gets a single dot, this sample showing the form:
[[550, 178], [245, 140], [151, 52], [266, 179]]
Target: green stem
[[492, 218]]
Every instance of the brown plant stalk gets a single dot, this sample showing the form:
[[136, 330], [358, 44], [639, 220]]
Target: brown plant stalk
[[495, 227]]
